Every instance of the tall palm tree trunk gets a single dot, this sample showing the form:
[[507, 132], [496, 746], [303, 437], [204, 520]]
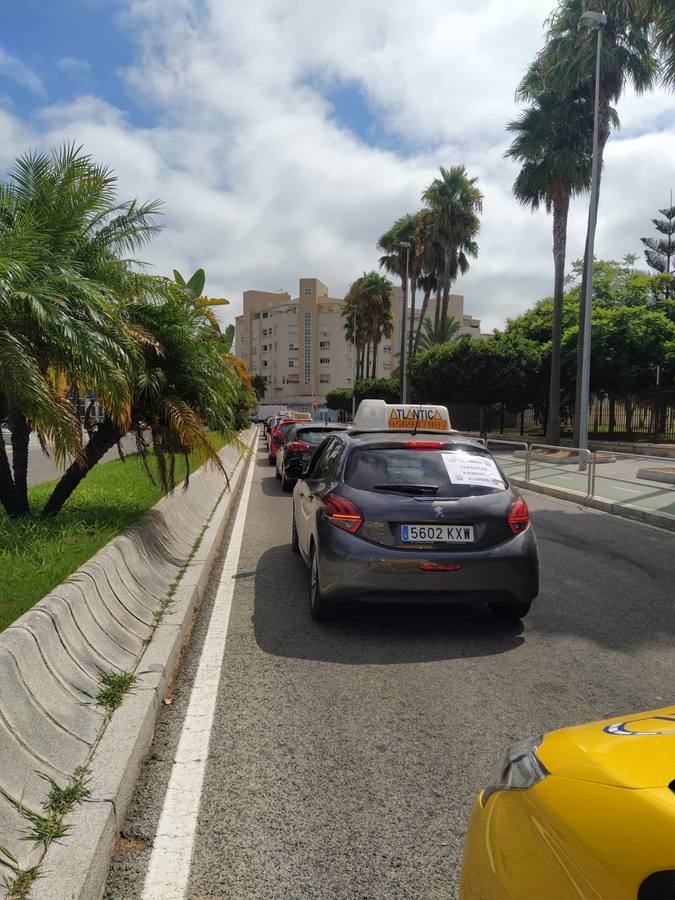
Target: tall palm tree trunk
[[368, 360], [423, 314], [7, 492], [603, 136], [20, 440], [411, 332], [437, 314], [375, 346], [104, 439], [560, 215], [446, 288]]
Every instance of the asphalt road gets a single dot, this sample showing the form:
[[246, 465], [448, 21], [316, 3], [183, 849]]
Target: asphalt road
[[345, 757], [42, 468]]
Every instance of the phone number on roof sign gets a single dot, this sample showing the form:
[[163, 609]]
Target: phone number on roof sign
[[403, 418]]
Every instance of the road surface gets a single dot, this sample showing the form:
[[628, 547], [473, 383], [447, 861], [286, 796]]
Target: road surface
[[42, 468], [345, 757]]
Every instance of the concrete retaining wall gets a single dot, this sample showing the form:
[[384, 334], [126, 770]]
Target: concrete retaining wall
[[110, 616]]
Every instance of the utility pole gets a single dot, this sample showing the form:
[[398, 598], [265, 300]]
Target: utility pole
[[590, 20], [404, 374]]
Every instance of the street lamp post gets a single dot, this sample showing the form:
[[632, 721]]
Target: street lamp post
[[590, 20], [404, 374]]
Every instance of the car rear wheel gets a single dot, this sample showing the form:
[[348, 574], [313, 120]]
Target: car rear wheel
[[295, 543], [511, 610], [319, 607]]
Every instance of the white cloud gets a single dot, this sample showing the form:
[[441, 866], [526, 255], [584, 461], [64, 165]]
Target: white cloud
[[263, 186], [74, 66], [16, 70]]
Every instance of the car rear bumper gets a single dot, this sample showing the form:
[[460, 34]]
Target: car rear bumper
[[353, 569]]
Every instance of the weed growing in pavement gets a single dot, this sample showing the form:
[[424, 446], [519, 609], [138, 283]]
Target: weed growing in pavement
[[43, 829], [61, 800], [49, 826], [19, 883], [114, 687]]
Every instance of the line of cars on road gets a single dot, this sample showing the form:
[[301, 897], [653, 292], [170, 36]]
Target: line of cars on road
[[400, 507]]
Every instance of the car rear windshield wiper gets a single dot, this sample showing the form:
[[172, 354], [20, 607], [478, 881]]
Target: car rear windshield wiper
[[408, 488]]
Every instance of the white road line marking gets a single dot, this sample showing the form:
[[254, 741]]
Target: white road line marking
[[169, 866]]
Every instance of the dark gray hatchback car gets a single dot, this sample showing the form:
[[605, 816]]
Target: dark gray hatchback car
[[382, 516]]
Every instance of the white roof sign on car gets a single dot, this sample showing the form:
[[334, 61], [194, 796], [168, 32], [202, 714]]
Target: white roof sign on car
[[376, 415]]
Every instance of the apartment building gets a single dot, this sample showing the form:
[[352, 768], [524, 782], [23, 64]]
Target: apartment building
[[298, 344]]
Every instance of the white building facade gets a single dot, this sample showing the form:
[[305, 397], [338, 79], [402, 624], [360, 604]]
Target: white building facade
[[298, 345]]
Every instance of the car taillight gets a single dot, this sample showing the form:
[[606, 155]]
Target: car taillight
[[299, 447], [342, 513], [519, 516], [423, 445]]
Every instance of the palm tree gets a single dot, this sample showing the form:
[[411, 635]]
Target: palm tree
[[663, 12], [393, 260], [183, 382], [553, 142], [60, 327], [432, 335], [455, 202], [368, 318], [568, 62]]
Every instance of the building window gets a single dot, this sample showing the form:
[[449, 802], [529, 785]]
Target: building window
[[293, 346], [324, 345], [324, 379], [386, 348], [291, 363], [256, 315], [264, 348], [349, 379], [307, 292], [264, 363], [265, 315], [386, 366], [308, 348], [324, 361], [293, 379]]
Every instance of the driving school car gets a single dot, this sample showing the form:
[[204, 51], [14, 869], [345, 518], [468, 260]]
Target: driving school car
[[400, 508], [585, 812]]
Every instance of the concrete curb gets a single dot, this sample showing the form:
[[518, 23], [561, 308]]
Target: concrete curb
[[614, 509], [657, 475], [103, 618]]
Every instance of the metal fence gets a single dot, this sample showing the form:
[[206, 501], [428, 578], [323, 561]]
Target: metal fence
[[648, 418], [627, 481]]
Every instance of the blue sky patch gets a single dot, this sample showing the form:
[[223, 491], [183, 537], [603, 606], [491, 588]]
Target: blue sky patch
[[74, 47], [351, 111]]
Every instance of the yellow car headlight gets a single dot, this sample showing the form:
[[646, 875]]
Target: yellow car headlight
[[519, 770]]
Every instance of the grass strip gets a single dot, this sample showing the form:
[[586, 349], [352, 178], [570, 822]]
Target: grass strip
[[36, 555]]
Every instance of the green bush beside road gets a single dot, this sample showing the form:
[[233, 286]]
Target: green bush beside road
[[38, 554]]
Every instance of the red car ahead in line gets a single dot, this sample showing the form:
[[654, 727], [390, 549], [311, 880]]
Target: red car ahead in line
[[277, 438]]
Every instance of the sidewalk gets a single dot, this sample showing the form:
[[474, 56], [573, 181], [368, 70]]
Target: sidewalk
[[616, 483], [643, 449]]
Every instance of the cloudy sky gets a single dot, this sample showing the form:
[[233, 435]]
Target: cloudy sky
[[285, 135]]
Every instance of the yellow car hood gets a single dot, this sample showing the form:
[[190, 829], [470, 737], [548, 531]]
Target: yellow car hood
[[633, 751]]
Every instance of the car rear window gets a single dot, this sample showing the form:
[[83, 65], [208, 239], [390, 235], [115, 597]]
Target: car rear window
[[313, 437], [462, 472]]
